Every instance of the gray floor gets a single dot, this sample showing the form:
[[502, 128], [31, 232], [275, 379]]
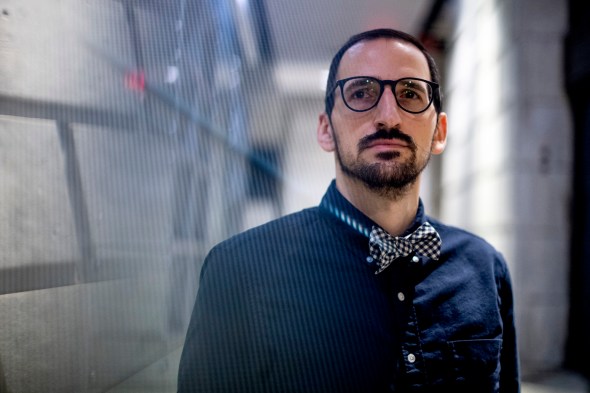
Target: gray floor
[[563, 382], [160, 377]]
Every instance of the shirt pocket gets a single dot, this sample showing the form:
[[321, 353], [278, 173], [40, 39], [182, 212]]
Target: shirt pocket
[[475, 364]]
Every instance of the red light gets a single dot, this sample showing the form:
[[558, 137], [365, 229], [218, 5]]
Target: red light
[[135, 80]]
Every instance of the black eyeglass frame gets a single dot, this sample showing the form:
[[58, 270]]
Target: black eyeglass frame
[[382, 83]]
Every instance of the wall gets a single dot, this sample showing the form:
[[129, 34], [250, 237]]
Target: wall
[[114, 182], [507, 170]]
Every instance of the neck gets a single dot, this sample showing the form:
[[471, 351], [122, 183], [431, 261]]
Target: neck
[[393, 211]]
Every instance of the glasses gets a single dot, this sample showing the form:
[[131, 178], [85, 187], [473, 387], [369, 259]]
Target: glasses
[[362, 93]]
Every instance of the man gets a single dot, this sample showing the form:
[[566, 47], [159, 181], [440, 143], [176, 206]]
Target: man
[[363, 293]]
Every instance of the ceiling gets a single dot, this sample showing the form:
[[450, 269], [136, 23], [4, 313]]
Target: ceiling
[[305, 34], [313, 30]]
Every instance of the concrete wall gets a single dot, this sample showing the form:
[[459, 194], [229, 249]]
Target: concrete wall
[[76, 321], [97, 272], [507, 170]]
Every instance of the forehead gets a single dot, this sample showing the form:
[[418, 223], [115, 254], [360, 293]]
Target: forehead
[[385, 58]]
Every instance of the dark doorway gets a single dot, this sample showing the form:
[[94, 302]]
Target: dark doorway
[[578, 87]]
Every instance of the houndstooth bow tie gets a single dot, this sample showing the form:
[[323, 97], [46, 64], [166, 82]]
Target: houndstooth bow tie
[[385, 248]]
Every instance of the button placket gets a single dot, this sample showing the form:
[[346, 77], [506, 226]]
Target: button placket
[[411, 349]]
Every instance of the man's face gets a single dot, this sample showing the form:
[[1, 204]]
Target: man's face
[[385, 147]]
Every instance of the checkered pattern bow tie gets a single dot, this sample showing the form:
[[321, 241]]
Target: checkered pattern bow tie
[[385, 248]]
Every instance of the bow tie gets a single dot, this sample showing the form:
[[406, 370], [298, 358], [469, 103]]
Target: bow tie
[[385, 248]]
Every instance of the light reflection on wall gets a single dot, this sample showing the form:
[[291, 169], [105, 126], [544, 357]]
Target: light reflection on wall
[[506, 171], [476, 183]]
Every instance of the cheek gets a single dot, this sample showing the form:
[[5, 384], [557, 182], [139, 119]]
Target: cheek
[[346, 143], [349, 130], [424, 133]]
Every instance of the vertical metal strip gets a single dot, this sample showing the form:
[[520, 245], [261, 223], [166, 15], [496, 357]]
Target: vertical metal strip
[[77, 201]]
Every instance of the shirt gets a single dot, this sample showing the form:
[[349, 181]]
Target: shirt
[[295, 306]]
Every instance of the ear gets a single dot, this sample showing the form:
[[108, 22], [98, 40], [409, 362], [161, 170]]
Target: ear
[[326, 133], [439, 140]]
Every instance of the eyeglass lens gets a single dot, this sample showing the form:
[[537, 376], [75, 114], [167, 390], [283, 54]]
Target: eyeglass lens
[[412, 95]]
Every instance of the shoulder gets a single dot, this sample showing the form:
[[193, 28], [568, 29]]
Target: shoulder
[[292, 225], [463, 244], [278, 247], [270, 239], [458, 237]]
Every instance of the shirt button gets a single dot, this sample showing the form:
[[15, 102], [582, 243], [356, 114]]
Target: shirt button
[[415, 259], [401, 296], [370, 259], [411, 358]]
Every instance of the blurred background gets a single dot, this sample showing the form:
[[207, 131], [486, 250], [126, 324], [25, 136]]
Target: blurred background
[[136, 134]]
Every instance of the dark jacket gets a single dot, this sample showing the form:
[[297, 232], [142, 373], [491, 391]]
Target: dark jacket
[[294, 306]]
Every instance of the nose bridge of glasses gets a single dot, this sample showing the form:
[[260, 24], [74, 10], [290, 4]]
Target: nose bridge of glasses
[[392, 86], [387, 106]]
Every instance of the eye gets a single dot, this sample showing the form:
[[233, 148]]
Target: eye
[[361, 90], [359, 94], [409, 94], [412, 90]]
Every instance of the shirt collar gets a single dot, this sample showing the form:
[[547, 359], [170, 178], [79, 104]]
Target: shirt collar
[[336, 204]]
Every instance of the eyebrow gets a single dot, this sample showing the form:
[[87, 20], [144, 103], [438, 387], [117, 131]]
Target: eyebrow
[[421, 86], [360, 81]]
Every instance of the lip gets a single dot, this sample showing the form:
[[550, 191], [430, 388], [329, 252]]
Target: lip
[[386, 144]]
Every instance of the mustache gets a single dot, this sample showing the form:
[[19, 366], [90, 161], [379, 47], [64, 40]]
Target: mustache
[[391, 133]]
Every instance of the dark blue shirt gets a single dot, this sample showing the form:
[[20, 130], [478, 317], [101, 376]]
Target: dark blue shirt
[[295, 306]]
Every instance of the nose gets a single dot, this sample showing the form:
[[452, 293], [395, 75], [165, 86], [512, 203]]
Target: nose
[[387, 112]]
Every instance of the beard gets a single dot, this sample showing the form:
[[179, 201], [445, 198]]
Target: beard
[[388, 177]]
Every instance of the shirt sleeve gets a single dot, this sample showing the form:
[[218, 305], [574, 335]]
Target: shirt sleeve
[[510, 367], [216, 355]]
